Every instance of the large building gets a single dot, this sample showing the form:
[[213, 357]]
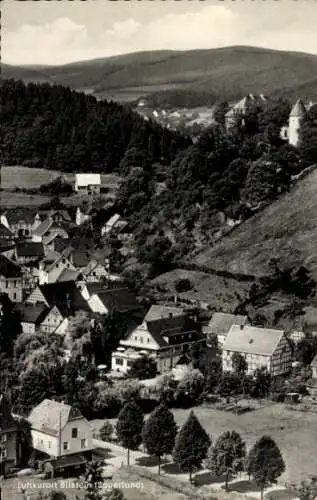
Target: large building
[[235, 115], [291, 132], [261, 347], [164, 335], [88, 183]]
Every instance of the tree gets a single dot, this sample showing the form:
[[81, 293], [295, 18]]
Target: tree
[[159, 433], [191, 445], [190, 387], [106, 431], [265, 462], [106, 335], [305, 490], [227, 455], [143, 368], [239, 364], [93, 479], [261, 383], [129, 427]]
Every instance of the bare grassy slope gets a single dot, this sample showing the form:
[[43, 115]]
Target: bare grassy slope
[[287, 229], [228, 72]]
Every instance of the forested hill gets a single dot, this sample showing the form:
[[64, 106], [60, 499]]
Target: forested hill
[[57, 128]]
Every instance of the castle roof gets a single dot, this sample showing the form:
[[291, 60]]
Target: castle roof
[[298, 109]]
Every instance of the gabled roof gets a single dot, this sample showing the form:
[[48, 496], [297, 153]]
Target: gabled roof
[[113, 221], [8, 268], [119, 299], [60, 294], [157, 312], [30, 249], [252, 340], [68, 275], [32, 313], [50, 416], [19, 214], [298, 110], [5, 233], [221, 323], [167, 327], [43, 227], [88, 179]]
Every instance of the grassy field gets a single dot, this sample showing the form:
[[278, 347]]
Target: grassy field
[[286, 229], [13, 177], [220, 293], [295, 433]]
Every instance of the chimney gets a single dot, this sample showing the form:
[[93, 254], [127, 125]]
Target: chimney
[[241, 327]]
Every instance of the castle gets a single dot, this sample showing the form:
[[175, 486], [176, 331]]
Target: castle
[[289, 132]]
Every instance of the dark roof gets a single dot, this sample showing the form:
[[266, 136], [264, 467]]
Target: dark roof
[[32, 313], [119, 299], [65, 295], [9, 269], [80, 258], [5, 233], [30, 249], [15, 215], [61, 244], [167, 327], [67, 461]]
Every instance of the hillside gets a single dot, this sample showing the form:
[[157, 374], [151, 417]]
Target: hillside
[[287, 230], [225, 73]]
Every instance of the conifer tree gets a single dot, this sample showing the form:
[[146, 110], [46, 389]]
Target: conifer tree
[[191, 445], [227, 455], [129, 426], [159, 433], [265, 462]]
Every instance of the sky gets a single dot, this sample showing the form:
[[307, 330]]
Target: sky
[[59, 32]]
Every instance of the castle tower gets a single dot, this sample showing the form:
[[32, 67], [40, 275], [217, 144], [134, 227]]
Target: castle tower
[[296, 117]]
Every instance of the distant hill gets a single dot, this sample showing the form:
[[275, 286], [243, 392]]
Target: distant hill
[[225, 73], [286, 230]]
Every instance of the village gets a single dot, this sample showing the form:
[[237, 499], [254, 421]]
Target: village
[[186, 355]]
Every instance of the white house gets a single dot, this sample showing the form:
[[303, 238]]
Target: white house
[[261, 347], [57, 429], [220, 325], [87, 183]]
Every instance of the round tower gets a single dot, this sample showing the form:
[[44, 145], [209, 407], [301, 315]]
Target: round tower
[[296, 117]]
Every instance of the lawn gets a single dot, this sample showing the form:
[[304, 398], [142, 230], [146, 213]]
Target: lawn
[[295, 433]]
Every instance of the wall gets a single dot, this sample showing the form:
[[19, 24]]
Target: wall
[[28, 327], [52, 321], [45, 443], [96, 305], [13, 287], [84, 432]]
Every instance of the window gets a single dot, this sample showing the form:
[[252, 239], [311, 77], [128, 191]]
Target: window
[[15, 283], [14, 295], [141, 340], [129, 363], [74, 432], [4, 438], [7, 284], [50, 444], [41, 441], [119, 361], [83, 443], [65, 445], [136, 338], [3, 453]]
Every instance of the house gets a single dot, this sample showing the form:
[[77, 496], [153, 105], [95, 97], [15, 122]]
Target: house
[[261, 347], [59, 430], [6, 238], [27, 252], [65, 295], [236, 114], [54, 263], [11, 438], [96, 270], [88, 183], [47, 230], [89, 289], [165, 339], [41, 318], [114, 223], [21, 221], [11, 279], [114, 299], [220, 325]]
